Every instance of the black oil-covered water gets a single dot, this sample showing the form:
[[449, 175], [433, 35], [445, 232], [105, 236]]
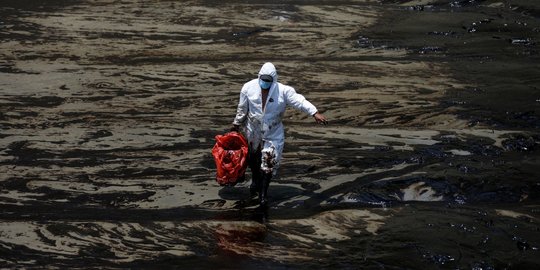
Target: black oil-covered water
[[108, 112]]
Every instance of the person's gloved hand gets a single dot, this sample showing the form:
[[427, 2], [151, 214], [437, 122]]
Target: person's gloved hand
[[320, 119], [235, 128]]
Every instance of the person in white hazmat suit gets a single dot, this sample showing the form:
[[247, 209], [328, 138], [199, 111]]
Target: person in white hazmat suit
[[261, 107]]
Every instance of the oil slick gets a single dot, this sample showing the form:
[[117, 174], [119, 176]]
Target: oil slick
[[109, 110]]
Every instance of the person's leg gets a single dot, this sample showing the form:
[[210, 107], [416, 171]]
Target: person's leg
[[255, 167], [268, 164], [263, 194]]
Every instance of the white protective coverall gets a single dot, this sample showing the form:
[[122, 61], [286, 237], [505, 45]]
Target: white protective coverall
[[264, 127]]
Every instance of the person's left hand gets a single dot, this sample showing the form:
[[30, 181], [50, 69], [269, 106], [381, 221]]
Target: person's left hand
[[320, 119], [235, 128]]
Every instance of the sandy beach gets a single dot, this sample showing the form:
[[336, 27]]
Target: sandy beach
[[109, 109]]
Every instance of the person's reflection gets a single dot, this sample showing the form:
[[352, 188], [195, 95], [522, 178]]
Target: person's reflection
[[240, 237]]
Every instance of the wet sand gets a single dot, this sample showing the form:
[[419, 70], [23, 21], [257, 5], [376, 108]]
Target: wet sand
[[108, 113]]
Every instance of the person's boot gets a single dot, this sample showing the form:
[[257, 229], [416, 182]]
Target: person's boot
[[255, 187], [263, 194], [254, 163]]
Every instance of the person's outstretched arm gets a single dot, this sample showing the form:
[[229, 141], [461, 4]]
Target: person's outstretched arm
[[299, 102]]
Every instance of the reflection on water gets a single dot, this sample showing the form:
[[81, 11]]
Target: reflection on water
[[427, 235], [109, 111]]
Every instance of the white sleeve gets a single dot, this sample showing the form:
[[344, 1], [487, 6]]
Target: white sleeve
[[299, 102], [242, 109]]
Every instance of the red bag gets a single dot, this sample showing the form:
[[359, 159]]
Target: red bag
[[230, 154]]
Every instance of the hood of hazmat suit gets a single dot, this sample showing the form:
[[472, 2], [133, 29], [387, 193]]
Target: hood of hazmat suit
[[264, 128]]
